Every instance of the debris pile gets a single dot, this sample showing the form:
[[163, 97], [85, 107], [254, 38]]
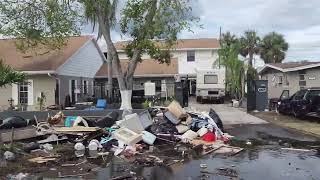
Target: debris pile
[[139, 138]]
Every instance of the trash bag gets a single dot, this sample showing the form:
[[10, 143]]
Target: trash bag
[[15, 122], [165, 128], [216, 119], [108, 120]]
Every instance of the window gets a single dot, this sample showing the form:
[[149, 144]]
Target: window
[[311, 94], [85, 87], [302, 79], [280, 80], [23, 93], [284, 95], [300, 94], [210, 79], [190, 56]]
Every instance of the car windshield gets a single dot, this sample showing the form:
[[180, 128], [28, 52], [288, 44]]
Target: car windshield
[[299, 95], [312, 94]]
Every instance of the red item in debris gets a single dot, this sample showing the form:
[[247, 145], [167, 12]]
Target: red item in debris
[[209, 137]]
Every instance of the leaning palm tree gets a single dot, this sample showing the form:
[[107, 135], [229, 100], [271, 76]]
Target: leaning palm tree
[[273, 48], [249, 45]]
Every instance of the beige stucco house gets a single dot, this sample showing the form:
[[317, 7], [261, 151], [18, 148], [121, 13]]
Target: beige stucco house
[[188, 55], [54, 73], [291, 76]]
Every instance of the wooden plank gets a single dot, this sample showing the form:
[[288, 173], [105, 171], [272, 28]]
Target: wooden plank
[[19, 134], [76, 129]]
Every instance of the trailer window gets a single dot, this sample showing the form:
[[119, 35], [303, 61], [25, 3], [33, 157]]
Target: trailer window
[[210, 79]]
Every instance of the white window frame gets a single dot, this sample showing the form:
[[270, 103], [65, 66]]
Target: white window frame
[[23, 85]]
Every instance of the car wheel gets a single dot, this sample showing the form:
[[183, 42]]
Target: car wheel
[[198, 98], [221, 101], [296, 114], [201, 100]]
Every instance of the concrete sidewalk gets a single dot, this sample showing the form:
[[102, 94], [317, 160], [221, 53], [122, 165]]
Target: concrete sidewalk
[[229, 115]]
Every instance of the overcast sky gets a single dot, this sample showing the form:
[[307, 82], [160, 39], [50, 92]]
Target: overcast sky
[[297, 20]]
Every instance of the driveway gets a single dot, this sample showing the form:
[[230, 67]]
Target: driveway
[[229, 115]]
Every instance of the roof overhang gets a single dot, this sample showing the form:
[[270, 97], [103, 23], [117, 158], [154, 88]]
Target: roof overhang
[[142, 76], [39, 72], [266, 66], [180, 49]]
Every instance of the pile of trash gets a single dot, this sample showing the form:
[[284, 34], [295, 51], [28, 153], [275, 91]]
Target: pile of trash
[[133, 136]]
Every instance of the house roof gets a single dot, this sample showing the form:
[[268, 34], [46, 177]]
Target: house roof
[[291, 66], [147, 68], [184, 44], [43, 59]]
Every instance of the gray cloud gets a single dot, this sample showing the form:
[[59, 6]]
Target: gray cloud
[[297, 20]]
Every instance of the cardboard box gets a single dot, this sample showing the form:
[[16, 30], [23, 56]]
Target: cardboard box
[[176, 109]]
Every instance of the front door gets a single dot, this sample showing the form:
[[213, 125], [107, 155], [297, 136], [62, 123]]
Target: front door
[[56, 93], [73, 88]]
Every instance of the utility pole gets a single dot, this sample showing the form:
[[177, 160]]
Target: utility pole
[[219, 44]]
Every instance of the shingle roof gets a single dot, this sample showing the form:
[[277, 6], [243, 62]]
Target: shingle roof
[[46, 60], [147, 67], [292, 64], [203, 43]]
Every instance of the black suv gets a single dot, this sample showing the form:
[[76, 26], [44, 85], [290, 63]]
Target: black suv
[[302, 103]]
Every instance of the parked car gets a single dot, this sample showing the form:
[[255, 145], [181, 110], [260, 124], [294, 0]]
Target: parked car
[[302, 103]]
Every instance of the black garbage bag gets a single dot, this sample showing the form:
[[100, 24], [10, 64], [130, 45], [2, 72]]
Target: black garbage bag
[[164, 128], [15, 122], [108, 120], [216, 119]]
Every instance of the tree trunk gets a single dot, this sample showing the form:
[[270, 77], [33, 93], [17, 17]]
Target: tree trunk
[[109, 83], [250, 59], [126, 99]]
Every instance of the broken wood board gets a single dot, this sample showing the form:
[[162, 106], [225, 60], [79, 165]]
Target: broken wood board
[[196, 142], [41, 160], [76, 129], [229, 150], [19, 134]]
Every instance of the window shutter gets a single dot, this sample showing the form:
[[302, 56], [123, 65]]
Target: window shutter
[[92, 87], [76, 87], [70, 88], [30, 92], [14, 94]]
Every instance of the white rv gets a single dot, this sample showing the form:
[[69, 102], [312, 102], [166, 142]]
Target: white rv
[[210, 84]]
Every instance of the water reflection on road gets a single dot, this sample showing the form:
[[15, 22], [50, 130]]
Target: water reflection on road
[[262, 163]]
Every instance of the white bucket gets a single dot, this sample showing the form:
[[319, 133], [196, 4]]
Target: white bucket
[[79, 146], [189, 135], [94, 145]]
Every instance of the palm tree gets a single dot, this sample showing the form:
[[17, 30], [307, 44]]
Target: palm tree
[[9, 75], [228, 39], [273, 48], [249, 45]]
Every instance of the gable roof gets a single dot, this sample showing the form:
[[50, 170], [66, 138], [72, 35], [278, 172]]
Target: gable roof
[[184, 44], [290, 66], [147, 68], [46, 60]]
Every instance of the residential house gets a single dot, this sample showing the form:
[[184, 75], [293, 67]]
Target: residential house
[[54, 73], [291, 76], [188, 55], [148, 70]]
